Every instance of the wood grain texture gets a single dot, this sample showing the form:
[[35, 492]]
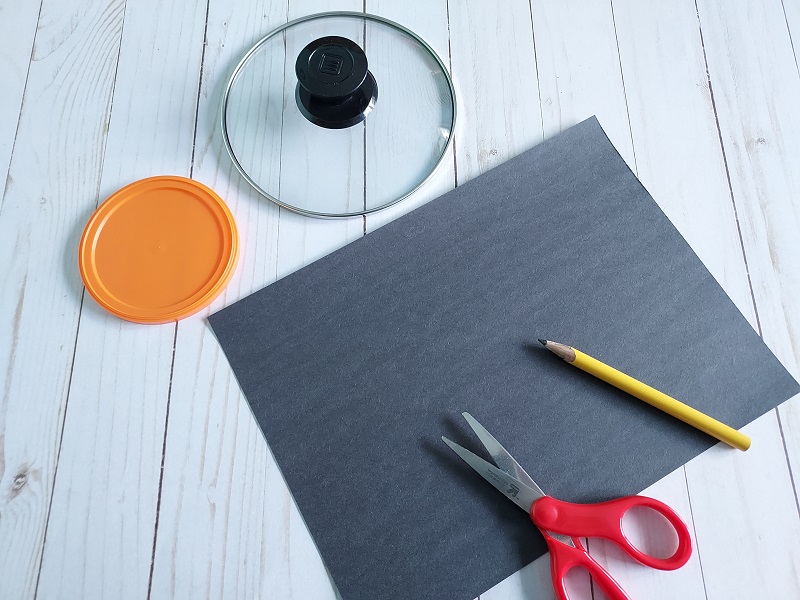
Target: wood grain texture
[[494, 62], [777, 253], [679, 160], [53, 184], [693, 219], [579, 70], [17, 32], [765, 183], [580, 75], [746, 518], [163, 485], [103, 512], [228, 526], [675, 137], [429, 21], [789, 413], [215, 535], [707, 171], [765, 88], [791, 11]]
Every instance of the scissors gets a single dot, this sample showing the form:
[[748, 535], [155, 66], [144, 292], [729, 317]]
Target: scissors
[[562, 523]]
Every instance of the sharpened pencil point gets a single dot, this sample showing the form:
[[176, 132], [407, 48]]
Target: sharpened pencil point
[[543, 342]]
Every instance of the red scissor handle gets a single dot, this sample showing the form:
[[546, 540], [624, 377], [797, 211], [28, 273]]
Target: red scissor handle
[[563, 558], [604, 520]]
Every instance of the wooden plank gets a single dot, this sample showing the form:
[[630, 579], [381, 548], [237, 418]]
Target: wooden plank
[[533, 581], [52, 187], [638, 24], [228, 526], [580, 75], [298, 570], [746, 518], [675, 135], [679, 160], [323, 169], [215, 525], [789, 413], [429, 20], [309, 153], [100, 530], [579, 70], [219, 481], [17, 32], [756, 88], [791, 12], [493, 63]]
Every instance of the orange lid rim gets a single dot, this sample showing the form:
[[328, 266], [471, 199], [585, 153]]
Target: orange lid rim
[[191, 305]]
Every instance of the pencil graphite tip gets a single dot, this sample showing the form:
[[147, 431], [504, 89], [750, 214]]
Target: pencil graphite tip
[[543, 342]]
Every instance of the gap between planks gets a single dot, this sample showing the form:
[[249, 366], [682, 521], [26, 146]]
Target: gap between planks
[[83, 291]]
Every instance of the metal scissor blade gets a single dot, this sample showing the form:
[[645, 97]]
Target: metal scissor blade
[[510, 486], [500, 455]]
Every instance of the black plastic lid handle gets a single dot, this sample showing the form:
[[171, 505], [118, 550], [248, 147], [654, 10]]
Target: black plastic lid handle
[[335, 89]]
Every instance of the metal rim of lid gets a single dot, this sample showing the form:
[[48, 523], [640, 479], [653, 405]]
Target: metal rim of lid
[[369, 17]]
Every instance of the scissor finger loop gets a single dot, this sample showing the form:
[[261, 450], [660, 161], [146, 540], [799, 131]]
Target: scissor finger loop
[[563, 523], [604, 520]]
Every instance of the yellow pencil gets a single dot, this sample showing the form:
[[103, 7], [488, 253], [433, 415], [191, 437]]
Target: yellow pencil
[[652, 396]]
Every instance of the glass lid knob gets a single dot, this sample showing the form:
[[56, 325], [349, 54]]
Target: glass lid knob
[[335, 89]]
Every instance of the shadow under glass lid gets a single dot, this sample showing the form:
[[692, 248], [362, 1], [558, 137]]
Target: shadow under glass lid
[[338, 114]]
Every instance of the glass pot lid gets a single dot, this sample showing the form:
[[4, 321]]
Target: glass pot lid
[[338, 114]]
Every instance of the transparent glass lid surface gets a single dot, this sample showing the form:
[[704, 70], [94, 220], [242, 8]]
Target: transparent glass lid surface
[[338, 114]]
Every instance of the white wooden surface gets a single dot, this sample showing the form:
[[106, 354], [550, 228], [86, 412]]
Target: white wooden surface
[[130, 465]]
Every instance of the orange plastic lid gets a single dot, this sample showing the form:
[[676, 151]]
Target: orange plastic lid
[[159, 250]]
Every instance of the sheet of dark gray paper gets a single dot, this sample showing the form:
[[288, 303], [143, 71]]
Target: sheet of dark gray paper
[[356, 365]]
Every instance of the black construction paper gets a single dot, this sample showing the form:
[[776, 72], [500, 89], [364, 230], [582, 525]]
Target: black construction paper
[[357, 364]]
